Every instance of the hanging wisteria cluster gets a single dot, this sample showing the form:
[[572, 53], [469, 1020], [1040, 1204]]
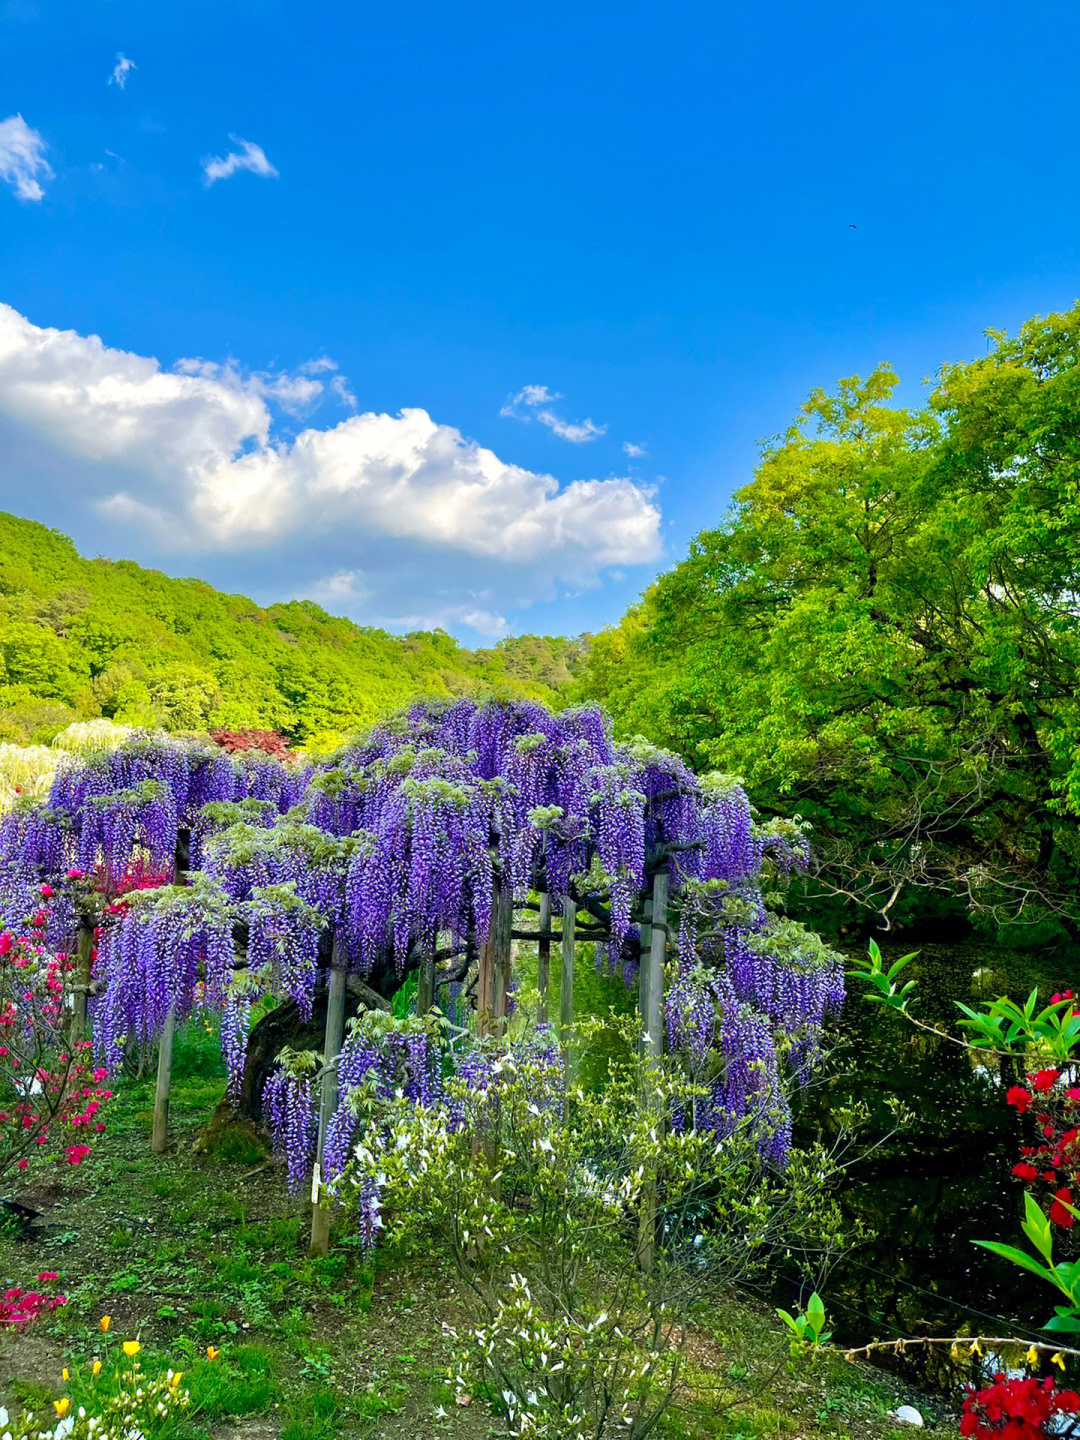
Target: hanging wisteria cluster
[[398, 846]]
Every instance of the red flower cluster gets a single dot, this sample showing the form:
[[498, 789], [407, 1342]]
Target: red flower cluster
[[1015, 1409], [1055, 1162], [19, 1307], [270, 742]]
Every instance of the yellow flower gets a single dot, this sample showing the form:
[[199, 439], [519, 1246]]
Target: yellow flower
[[976, 1348], [175, 1381], [1057, 1360], [95, 1369], [955, 1351], [105, 1321], [131, 1348], [61, 1407], [1032, 1357], [212, 1352], [64, 1374]]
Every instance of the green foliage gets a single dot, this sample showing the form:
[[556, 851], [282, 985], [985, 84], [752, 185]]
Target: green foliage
[[882, 637], [807, 1328], [581, 1227], [1064, 1276], [85, 638], [1037, 1033]]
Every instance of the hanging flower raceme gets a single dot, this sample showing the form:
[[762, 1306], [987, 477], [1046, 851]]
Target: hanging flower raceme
[[288, 1106], [174, 950]]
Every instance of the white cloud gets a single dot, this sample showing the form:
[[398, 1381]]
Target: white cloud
[[190, 458], [120, 70], [340, 386], [634, 451], [248, 157], [296, 393], [532, 397], [22, 158], [576, 433], [337, 592]]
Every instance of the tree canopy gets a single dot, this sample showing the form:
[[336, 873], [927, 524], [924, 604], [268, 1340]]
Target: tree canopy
[[883, 638]]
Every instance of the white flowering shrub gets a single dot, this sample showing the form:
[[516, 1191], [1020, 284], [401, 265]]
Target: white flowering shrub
[[581, 1224], [88, 737], [26, 770]]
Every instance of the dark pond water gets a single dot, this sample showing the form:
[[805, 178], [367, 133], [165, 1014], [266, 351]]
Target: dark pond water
[[942, 1179]]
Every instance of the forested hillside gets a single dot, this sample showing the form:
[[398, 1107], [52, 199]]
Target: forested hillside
[[85, 637]]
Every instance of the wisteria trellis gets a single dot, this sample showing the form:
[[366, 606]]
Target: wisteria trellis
[[397, 845]]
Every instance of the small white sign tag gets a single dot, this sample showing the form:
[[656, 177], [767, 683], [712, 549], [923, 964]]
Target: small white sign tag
[[316, 1181]]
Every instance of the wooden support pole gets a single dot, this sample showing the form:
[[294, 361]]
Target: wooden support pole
[[654, 1016], [543, 959], [500, 987], [82, 982], [328, 1094], [566, 993], [160, 1138], [653, 1048], [643, 973], [425, 985], [485, 975]]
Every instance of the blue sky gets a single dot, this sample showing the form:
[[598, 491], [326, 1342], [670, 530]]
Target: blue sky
[[634, 216]]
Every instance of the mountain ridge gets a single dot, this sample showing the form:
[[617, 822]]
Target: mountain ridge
[[82, 637]]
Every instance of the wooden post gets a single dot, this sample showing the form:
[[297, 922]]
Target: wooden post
[[566, 993], [328, 1095], [485, 978], [643, 974], [82, 982], [654, 1016], [543, 959], [500, 977], [160, 1137], [425, 985], [653, 1047]]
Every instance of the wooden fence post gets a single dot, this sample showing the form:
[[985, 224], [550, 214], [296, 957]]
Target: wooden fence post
[[543, 958], [328, 1093], [566, 992], [653, 1046], [160, 1138]]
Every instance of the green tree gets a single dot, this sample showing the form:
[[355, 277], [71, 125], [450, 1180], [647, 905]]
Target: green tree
[[883, 636]]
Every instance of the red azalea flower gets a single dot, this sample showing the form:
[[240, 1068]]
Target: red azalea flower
[[1019, 1097], [1058, 1214], [1044, 1080], [1027, 1173]]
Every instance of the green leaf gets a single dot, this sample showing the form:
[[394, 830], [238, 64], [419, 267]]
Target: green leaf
[[1018, 1257]]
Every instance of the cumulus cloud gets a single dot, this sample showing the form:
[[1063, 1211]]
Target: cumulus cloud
[[191, 459], [634, 451], [22, 158], [121, 69], [249, 157], [529, 399]]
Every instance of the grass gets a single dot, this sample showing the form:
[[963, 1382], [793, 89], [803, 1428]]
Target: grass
[[185, 1251]]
